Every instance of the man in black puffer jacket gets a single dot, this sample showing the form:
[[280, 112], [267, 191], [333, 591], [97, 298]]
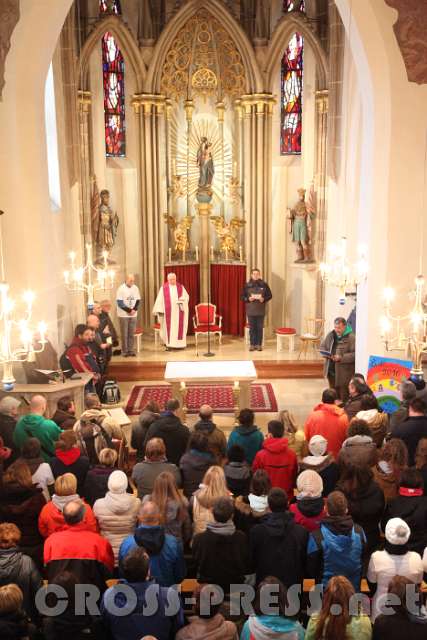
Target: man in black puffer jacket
[[170, 429]]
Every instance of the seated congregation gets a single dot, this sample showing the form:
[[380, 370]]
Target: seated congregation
[[318, 532]]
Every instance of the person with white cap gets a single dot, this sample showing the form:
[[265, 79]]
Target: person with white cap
[[117, 512], [395, 559], [309, 508], [338, 546], [322, 462]]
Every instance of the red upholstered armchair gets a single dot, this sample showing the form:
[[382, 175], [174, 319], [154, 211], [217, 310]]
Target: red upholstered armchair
[[206, 316]]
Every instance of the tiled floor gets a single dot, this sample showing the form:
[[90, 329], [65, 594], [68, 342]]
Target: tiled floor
[[232, 348]]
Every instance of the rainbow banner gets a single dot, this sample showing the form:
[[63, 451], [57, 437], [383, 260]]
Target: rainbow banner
[[384, 378]]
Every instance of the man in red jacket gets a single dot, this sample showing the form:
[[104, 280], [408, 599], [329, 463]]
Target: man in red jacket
[[84, 553], [328, 420], [277, 459]]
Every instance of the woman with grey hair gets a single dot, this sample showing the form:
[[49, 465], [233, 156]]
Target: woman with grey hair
[[8, 419]]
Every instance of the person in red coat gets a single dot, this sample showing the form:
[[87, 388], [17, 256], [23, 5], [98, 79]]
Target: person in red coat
[[328, 420], [309, 508], [277, 459], [84, 553]]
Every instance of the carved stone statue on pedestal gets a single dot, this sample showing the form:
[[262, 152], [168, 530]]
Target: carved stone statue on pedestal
[[108, 221], [301, 217]]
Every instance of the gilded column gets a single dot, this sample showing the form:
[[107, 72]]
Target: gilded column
[[322, 104], [220, 109], [149, 110], [84, 104]]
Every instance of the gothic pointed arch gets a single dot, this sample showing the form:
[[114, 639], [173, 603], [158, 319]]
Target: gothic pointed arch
[[220, 14], [286, 27], [126, 41]]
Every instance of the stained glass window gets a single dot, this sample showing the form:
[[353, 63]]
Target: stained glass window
[[291, 96], [104, 6], [289, 5], [114, 96]]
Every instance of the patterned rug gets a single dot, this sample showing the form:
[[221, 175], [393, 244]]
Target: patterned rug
[[219, 396]]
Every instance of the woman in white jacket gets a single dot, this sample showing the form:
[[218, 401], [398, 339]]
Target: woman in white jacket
[[117, 512]]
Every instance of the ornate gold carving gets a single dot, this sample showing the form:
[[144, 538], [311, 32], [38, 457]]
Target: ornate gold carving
[[204, 81], [227, 233], [204, 57]]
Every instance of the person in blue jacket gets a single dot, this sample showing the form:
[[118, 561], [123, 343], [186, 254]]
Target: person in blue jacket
[[160, 622], [338, 547], [271, 594], [167, 564]]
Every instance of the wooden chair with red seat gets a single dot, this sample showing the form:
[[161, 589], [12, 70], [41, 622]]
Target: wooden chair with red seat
[[206, 318], [139, 332]]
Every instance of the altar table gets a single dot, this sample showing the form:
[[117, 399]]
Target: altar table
[[240, 372], [53, 391]]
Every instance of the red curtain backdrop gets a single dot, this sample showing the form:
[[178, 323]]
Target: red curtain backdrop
[[189, 276], [227, 282]]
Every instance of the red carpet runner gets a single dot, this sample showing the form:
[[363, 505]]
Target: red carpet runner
[[220, 397]]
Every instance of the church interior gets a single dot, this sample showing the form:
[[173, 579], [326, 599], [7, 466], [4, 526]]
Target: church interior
[[211, 189]]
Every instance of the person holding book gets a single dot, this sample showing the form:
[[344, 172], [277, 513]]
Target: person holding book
[[256, 293], [338, 349]]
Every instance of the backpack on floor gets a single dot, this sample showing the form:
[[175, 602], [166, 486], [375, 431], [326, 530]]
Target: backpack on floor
[[110, 392]]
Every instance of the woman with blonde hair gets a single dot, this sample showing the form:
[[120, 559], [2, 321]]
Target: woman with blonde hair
[[328, 623], [421, 461], [51, 518], [214, 486], [96, 483], [392, 460], [21, 503], [13, 619], [172, 506], [295, 436]]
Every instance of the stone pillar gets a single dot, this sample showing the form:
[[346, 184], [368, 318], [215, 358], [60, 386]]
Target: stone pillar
[[204, 210], [150, 114], [320, 170], [336, 58], [257, 122], [84, 104]]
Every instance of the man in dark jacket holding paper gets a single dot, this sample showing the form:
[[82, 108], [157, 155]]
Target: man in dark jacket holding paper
[[338, 348], [256, 293]]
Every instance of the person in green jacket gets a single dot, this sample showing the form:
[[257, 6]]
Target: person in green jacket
[[348, 624], [35, 425], [247, 435]]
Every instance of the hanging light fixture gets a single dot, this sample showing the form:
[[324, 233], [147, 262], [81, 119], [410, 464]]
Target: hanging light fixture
[[17, 337], [338, 271], [88, 278], [408, 332]]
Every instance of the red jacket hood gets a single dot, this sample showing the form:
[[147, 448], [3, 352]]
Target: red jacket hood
[[329, 408], [68, 457], [275, 445]]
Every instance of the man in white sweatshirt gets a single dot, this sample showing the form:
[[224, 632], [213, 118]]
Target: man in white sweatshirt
[[128, 299]]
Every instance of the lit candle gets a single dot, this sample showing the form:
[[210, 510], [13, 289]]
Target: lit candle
[[240, 253], [235, 169], [42, 331], [183, 254], [170, 254], [226, 254], [173, 167], [212, 253], [197, 253]]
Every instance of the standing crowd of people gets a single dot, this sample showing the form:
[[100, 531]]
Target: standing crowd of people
[[340, 505]]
